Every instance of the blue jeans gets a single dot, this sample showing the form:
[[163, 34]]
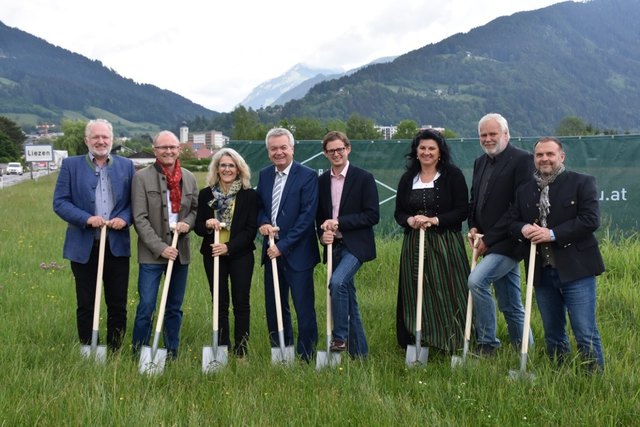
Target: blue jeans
[[578, 298], [148, 287], [347, 323], [504, 273]]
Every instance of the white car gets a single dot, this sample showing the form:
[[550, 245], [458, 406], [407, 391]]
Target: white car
[[14, 168]]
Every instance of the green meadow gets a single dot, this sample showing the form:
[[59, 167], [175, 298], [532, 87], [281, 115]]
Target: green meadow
[[44, 381]]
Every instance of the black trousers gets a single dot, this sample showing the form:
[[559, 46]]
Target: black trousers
[[115, 286], [240, 270]]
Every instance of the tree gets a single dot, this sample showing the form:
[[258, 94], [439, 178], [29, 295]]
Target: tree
[[11, 139], [573, 126], [8, 150], [307, 128], [449, 134], [336, 125], [359, 127], [72, 139], [246, 125], [407, 129]]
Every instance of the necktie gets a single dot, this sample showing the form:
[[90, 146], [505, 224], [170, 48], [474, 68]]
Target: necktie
[[277, 193]]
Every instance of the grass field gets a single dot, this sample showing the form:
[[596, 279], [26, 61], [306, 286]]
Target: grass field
[[44, 381]]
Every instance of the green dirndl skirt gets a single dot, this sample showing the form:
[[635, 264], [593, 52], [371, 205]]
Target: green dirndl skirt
[[444, 306]]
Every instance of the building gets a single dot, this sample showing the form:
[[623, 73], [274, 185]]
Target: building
[[211, 139], [387, 132]]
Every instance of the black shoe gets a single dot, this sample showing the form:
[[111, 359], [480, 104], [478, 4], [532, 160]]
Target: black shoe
[[338, 345], [486, 350]]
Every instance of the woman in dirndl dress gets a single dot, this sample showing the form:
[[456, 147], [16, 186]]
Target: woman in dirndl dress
[[433, 195]]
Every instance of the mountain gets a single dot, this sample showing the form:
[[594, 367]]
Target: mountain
[[302, 88], [295, 84], [572, 58], [40, 82], [266, 93]]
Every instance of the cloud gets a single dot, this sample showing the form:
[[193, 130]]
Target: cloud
[[215, 53]]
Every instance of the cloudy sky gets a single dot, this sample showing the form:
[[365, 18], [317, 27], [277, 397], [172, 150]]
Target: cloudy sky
[[215, 52]]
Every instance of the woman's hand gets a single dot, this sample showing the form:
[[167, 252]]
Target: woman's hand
[[218, 249], [422, 221], [213, 224]]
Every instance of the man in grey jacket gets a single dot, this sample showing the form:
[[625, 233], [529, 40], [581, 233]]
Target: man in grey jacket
[[164, 197]]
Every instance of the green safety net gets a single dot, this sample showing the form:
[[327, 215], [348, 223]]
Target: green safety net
[[613, 160]]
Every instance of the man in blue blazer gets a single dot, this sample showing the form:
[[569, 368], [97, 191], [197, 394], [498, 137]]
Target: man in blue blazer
[[558, 210], [288, 199], [347, 211], [92, 191]]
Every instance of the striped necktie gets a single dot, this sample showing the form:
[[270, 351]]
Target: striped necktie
[[277, 193]]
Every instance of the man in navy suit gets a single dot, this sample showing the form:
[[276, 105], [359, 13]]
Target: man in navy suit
[[288, 199], [558, 210], [347, 211], [92, 191], [497, 174]]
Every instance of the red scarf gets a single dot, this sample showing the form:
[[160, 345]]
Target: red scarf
[[173, 184]]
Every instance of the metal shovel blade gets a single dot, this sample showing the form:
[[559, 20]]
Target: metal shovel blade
[[214, 359], [521, 374], [458, 361], [416, 355], [282, 355], [152, 364], [99, 353], [327, 358]]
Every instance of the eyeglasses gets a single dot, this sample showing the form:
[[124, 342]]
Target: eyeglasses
[[335, 150], [226, 166], [167, 147]]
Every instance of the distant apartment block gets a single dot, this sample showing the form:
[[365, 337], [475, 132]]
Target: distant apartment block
[[212, 140], [387, 132]]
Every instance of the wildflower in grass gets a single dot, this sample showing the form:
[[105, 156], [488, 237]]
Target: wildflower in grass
[[53, 266]]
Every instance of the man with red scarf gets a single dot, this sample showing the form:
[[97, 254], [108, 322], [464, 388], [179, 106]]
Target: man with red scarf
[[164, 196]]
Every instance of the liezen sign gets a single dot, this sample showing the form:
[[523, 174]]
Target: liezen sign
[[38, 153]]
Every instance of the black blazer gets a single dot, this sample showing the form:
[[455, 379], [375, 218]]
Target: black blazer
[[359, 211], [243, 225], [451, 193], [514, 166], [574, 216]]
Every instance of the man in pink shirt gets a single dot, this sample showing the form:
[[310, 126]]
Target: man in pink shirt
[[347, 211]]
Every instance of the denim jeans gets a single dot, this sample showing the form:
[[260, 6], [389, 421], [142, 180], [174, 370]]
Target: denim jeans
[[504, 273], [577, 298], [347, 323], [148, 287]]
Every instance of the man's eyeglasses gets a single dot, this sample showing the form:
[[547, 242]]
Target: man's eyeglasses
[[167, 147], [226, 166], [335, 150]]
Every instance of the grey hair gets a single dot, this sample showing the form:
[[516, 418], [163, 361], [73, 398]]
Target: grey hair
[[165, 132], [244, 172], [90, 123], [275, 132], [502, 122]]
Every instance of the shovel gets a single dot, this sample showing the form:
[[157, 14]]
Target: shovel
[[215, 357], [99, 352], [522, 372], [282, 354], [457, 361], [152, 359], [328, 358], [416, 355]]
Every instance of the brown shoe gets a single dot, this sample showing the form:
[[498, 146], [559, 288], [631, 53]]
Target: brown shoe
[[338, 345]]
